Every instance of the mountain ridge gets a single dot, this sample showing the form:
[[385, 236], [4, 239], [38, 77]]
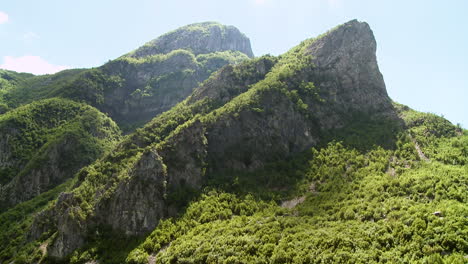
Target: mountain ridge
[[204, 145], [206, 180], [132, 90]]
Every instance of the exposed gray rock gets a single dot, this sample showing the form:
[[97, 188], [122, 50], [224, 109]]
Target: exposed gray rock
[[346, 65], [200, 38], [228, 83], [71, 228], [35, 179], [343, 68], [150, 88], [248, 140], [138, 203], [185, 155], [136, 90]]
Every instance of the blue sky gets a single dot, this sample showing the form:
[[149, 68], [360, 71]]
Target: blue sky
[[422, 45]]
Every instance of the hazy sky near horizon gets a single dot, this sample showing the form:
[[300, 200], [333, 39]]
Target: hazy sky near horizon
[[422, 44]]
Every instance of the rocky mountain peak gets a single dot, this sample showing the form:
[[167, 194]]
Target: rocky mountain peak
[[348, 53], [200, 38]]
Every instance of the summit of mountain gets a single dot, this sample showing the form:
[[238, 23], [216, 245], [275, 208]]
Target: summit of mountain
[[199, 38]]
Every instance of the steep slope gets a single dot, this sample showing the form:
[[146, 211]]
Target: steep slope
[[303, 96], [45, 143], [136, 87]]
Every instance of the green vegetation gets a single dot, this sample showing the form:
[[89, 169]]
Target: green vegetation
[[8, 81], [57, 134], [27, 90], [374, 188], [16, 222], [212, 62], [437, 137], [364, 132], [167, 79], [368, 199], [193, 37], [36, 123], [355, 210], [104, 174]]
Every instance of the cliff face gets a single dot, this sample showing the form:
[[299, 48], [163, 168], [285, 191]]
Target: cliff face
[[200, 38], [252, 114], [152, 86], [165, 71], [345, 60], [292, 116]]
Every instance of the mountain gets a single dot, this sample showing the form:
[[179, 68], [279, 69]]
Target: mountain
[[300, 158], [136, 87], [45, 143], [199, 38]]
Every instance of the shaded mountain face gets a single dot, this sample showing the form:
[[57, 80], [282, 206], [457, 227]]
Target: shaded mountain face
[[45, 143], [241, 119], [136, 87]]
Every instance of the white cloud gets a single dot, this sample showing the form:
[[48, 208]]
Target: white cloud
[[32, 64], [3, 17]]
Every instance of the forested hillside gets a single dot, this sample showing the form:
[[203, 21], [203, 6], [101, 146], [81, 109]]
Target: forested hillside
[[299, 158]]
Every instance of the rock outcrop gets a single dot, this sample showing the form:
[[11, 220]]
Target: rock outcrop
[[200, 38], [345, 62], [138, 202]]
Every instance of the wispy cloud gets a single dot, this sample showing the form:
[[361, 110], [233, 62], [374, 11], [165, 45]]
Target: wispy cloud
[[30, 36], [32, 64], [3, 17]]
